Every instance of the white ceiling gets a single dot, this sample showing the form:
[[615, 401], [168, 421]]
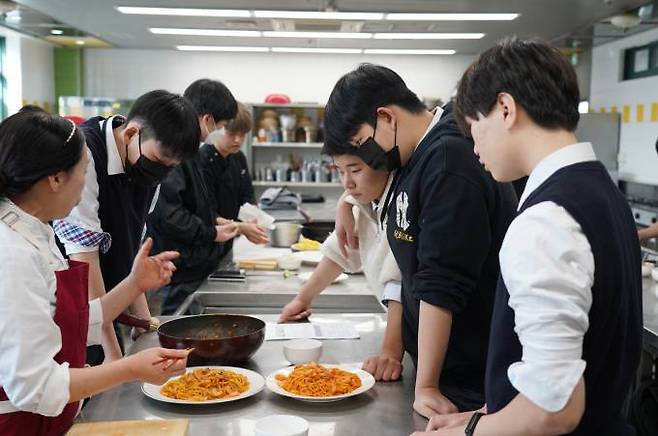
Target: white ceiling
[[547, 19]]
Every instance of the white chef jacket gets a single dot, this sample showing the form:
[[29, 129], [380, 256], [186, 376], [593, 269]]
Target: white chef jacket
[[29, 337], [374, 255]]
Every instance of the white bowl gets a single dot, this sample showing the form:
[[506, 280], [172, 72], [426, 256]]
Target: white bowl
[[289, 262], [281, 425], [646, 268], [654, 274], [299, 351]]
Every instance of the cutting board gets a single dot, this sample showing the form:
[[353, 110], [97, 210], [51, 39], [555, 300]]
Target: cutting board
[[159, 427]]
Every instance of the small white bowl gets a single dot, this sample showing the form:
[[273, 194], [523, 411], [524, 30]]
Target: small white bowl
[[646, 268], [289, 262], [654, 274], [299, 351], [281, 425]]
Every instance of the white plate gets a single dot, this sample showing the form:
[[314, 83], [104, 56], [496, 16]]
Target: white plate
[[256, 383], [311, 258], [367, 382], [307, 275]]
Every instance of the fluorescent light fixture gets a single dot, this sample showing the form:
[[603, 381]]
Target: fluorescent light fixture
[[184, 12], [56, 32], [203, 32], [408, 51], [221, 48], [451, 17], [318, 35], [428, 35], [316, 50], [310, 15]]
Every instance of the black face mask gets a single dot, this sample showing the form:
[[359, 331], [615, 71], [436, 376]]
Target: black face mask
[[145, 172], [374, 155]]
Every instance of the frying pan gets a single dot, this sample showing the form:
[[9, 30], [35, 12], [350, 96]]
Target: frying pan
[[216, 338]]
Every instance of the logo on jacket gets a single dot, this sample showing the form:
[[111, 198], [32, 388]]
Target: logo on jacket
[[402, 204]]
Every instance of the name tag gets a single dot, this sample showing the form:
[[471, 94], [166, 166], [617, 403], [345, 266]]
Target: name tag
[[402, 236]]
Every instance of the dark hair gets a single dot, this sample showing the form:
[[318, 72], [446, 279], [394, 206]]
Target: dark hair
[[169, 119], [355, 99], [212, 97], [538, 76], [33, 145], [31, 108]]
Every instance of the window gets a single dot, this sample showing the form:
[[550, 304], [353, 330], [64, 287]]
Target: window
[[641, 61]]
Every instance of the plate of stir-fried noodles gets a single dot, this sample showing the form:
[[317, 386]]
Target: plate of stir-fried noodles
[[319, 382], [207, 385]]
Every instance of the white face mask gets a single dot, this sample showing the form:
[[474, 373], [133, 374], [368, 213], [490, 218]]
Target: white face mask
[[215, 135]]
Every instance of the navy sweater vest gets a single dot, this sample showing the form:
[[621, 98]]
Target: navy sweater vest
[[123, 208], [613, 342]]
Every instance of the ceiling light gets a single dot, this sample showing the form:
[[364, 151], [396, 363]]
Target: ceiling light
[[452, 17], [56, 32], [203, 32], [341, 35], [409, 51], [309, 15], [79, 42], [184, 12], [220, 48], [316, 50], [13, 16], [428, 35], [625, 21]]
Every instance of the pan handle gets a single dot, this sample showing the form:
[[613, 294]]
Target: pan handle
[[133, 321]]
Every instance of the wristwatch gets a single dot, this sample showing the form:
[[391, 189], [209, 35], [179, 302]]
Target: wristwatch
[[470, 428]]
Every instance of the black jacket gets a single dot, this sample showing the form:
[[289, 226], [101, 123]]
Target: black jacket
[[184, 220], [446, 222], [229, 183]]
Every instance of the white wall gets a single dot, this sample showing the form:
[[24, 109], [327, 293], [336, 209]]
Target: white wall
[[38, 71], [126, 73], [636, 100], [29, 70]]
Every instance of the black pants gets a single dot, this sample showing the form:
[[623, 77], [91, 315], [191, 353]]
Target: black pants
[[174, 294]]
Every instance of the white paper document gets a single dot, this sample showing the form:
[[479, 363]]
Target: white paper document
[[310, 330]]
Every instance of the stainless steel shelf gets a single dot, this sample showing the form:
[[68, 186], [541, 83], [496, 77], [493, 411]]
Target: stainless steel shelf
[[287, 144], [291, 105], [298, 184]]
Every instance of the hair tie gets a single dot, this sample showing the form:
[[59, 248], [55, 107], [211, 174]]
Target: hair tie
[[72, 132]]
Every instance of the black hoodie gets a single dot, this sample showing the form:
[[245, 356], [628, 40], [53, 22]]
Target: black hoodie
[[446, 222]]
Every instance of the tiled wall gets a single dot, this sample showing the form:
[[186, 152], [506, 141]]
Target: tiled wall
[[637, 102]]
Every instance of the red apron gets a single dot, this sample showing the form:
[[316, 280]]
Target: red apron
[[72, 318]]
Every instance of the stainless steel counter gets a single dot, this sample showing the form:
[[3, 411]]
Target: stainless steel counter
[[650, 314], [385, 410]]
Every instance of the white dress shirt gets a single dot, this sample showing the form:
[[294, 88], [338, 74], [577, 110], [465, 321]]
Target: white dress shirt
[[31, 378], [548, 268], [374, 255]]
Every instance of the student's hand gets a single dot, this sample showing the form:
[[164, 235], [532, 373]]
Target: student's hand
[[430, 401], [221, 221], [152, 272], [384, 366], [255, 233], [296, 310], [157, 365], [451, 420], [226, 232], [345, 227]]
